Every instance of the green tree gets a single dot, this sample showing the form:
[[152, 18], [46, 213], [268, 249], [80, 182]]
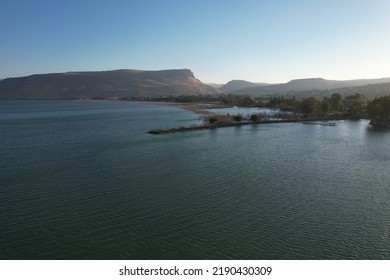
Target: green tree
[[379, 108], [325, 105], [356, 103], [337, 102], [309, 106], [255, 117], [213, 119], [237, 118]]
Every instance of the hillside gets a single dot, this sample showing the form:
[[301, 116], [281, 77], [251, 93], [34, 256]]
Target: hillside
[[236, 85], [318, 86], [105, 84], [370, 91]]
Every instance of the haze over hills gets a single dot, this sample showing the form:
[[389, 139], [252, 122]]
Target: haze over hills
[[104, 84], [214, 85], [370, 91], [135, 83], [236, 85], [314, 86]]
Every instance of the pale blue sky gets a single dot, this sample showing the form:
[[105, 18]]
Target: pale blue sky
[[258, 40]]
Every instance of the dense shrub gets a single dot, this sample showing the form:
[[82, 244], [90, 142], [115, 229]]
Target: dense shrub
[[237, 118], [255, 117]]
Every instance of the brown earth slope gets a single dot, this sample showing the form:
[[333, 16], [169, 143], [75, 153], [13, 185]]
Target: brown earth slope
[[104, 84]]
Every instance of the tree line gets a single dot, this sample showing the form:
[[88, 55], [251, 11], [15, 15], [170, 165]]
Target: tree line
[[379, 111], [335, 105]]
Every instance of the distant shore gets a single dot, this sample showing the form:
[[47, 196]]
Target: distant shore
[[197, 108], [101, 100]]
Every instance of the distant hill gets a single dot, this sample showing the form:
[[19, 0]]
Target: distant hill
[[370, 91], [236, 85], [315, 86], [214, 85], [105, 84]]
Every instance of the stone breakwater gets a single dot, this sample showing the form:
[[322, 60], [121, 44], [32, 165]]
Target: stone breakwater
[[213, 126], [236, 124]]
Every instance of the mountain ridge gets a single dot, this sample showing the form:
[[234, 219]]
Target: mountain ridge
[[310, 86], [105, 84], [124, 83], [235, 85]]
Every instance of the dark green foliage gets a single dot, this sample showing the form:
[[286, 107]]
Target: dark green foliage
[[379, 108], [309, 106], [333, 106], [238, 100], [284, 104], [325, 105], [213, 119], [336, 102], [313, 107], [255, 117], [237, 118], [355, 104]]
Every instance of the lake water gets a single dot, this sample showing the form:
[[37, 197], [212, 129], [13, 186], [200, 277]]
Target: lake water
[[84, 180]]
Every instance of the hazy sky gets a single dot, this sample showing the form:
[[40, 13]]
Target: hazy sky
[[259, 40]]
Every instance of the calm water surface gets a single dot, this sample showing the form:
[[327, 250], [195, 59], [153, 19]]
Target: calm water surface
[[85, 181]]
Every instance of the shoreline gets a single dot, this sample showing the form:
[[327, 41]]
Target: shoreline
[[197, 108], [201, 109]]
